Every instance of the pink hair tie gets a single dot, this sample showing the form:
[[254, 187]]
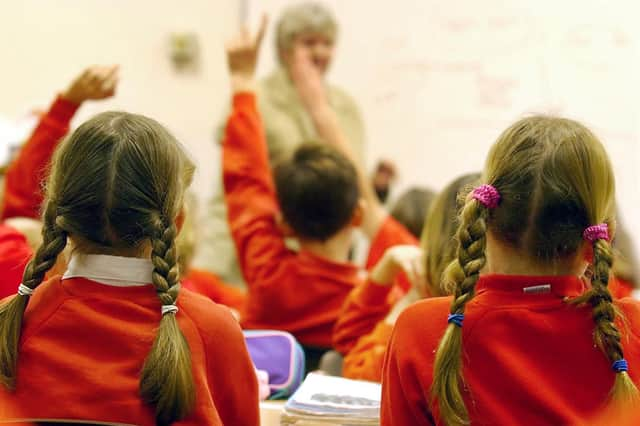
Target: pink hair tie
[[596, 232], [487, 195]]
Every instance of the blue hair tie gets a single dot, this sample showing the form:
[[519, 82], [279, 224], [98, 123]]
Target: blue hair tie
[[620, 365], [455, 319]]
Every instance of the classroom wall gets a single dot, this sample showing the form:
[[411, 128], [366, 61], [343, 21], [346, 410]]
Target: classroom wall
[[438, 81], [45, 43]]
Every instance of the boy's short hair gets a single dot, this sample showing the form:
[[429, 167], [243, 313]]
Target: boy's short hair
[[317, 190]]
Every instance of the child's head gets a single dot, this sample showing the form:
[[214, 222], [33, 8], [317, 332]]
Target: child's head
[[318, 192], [438, 235], [116, 187], [554, 180], [411, 209]]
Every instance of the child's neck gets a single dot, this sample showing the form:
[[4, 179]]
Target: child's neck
[[335, 248], [505, 260]]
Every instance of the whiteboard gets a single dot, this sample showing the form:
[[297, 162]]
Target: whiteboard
[[438, 81]]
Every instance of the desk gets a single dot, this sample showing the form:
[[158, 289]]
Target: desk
[[271, 412]]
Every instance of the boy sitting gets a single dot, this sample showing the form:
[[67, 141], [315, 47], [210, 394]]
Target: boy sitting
[[315, 197]]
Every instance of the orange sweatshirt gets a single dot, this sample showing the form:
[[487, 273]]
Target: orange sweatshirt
[[296, 292], [83, 345], [529, 358], [364, 361], [212, 287], [366, 306], [370, 303], [23, 181]]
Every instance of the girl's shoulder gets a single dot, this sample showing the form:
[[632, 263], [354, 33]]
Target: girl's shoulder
[[630, 314], [427, 317], [214, 322], [202, 309]]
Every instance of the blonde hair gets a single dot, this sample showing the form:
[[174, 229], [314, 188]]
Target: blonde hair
[[555, 180], [303, 18], [117, 185], [438, 235], [187, 240]]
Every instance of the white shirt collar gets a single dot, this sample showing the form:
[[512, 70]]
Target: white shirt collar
[[110, 270]]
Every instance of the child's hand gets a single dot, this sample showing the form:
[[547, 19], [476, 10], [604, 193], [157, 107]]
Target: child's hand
[[407, 259], [412, 296], [308, 81], [242, 57], [96, 82]]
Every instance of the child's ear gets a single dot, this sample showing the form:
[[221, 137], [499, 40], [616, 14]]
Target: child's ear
[[284, 227], [358, 213], [180, 219]]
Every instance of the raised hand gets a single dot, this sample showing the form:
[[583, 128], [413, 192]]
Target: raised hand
[[242, 56], [94, 83], [403, 258]]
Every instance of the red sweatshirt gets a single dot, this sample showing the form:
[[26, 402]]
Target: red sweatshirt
[[84, 343], [297, 292], [23, 181], [212, 287], [15, 253], [620, 288], [528, 358]]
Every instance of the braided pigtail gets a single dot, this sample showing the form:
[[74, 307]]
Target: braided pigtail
[[166, 379], [54, 240], [606, 335], [465, 272]]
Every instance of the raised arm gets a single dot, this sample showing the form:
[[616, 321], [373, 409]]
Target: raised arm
[[23, 181], [249, 189]]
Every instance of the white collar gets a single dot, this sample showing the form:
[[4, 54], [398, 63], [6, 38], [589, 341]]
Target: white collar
[[110, 270]]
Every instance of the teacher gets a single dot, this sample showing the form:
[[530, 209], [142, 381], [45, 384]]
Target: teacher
[[306, 26]]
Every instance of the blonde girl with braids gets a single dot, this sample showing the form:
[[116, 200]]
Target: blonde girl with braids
[[523, 340], [115, 339]]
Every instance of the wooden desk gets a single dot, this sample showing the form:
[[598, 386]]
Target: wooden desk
[[271, 412]]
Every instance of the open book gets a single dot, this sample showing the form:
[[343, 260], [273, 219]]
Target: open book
[[334, 400]]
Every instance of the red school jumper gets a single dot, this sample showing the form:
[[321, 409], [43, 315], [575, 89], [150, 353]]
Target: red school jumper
[[211, 286], [15, 253], [84, 343], [528, 358]]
